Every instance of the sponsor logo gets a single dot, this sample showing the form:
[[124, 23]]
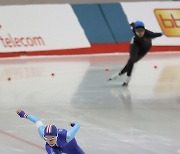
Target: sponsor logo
[[10, 41], [169, 21]]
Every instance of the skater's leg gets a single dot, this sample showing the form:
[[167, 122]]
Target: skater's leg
[[134, 54], [130, 68], [127, 67], [124, 70], [129, 71], [134, 51], [134, 57]]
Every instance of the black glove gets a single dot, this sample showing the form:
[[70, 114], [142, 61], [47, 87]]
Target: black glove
[[72, 124], [21, 113], [132, 24]]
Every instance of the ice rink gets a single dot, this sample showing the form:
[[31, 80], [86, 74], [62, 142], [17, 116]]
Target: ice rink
[[143, 118]]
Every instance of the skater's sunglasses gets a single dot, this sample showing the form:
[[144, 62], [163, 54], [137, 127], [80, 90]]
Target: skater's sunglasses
[[139, 30], [50, 138]]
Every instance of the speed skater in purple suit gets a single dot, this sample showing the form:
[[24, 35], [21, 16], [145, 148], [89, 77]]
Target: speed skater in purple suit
[[139, 47], [58, 141]]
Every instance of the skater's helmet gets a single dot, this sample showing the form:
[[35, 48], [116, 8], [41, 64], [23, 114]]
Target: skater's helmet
[[139, 24], [50, 130]]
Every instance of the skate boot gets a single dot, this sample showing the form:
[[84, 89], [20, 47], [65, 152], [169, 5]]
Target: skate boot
[[114, 76], [126, 81]]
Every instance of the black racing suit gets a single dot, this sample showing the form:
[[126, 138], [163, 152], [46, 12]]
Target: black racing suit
[[138, 49]]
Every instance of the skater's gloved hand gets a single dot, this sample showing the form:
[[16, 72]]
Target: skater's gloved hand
[[21, 113], [132, 24], [72, 124]]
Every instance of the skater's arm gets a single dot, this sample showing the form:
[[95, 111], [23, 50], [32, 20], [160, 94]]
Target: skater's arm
[[132, 25], [72, 132], [34, 119], [38, 123], [153, 35]]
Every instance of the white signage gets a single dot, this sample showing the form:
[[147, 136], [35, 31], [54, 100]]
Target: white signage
[[40, 28]]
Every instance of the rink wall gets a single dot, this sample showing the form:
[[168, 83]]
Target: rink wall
[[84, 28]]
